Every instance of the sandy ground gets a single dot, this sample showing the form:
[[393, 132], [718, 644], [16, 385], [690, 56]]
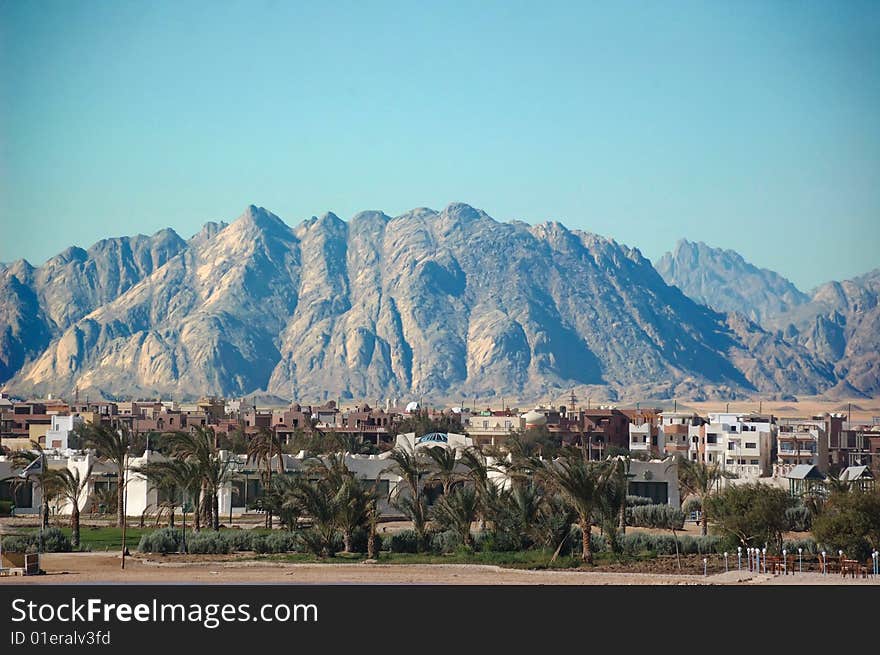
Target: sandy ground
[[103, 568], [862, 409]]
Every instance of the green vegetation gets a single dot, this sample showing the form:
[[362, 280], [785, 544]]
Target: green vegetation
[[752, 514], [849, 521]]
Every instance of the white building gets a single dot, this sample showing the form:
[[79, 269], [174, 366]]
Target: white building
[[646, 438], [58, 435], [742, 444], [490, 429]]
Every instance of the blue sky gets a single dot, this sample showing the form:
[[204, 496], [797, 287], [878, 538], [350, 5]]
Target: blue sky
[[748, 125]]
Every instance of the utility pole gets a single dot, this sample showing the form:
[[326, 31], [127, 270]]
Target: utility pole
[[124, 506]]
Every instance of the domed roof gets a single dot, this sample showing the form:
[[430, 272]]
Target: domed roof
[[534, 418]]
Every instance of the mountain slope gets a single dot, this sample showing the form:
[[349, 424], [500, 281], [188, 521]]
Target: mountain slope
[[838, 323], [41, 303], [724, 281], [448, 303], [841, 324]]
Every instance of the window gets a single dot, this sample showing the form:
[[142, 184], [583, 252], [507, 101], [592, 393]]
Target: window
[[656, 491], [754, 462], [732, 445], [751, 444], [711, 438]]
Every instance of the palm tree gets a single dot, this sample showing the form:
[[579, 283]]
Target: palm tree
[[617, 476], [581, 484], [409, 465], [349, 499], [174, 475], [199, 448], [69, 485], [261, 449], [22, 459], [457, 511], [373, 516], [113, 445], [478, 475], [700, 479], [319, 502], [445, 461]]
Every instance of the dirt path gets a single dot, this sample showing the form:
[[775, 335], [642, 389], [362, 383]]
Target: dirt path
[[101, 568]]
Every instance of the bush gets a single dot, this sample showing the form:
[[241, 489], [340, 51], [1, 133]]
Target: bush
[[573, 545], [5, 507], [850, 521], [799, 519], [259, 544], [208, 542], [358, 540], [164, 540], [282, 542], [241, 539], [19, 543], [498, 541], [445, 542], [638, 501], [634, 543], [405, 541], [655, 516], [54, 541]]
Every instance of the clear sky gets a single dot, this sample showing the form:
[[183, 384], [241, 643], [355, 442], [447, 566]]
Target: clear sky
[[748, 125]]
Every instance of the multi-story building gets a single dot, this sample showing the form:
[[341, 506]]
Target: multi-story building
[[645, 435], [741, 444], [801, 441], [852, 446], [676, 428], [491, 428]]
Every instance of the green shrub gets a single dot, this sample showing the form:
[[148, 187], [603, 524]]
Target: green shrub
[[445, 542], [55, 541], [573, 545], [282, 542], [19, 543], [208, 542], [164, 540], [799, 519], [498, 541], [634, 543], [405, 541], [240, 539], [655, 516], [637, 501], [5, 507], [259, 544]]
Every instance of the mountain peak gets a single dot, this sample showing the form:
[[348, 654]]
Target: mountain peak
[[261, 218]]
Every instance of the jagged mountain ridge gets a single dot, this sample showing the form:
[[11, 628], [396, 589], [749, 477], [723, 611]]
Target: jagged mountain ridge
[[432, 303], [39, 304], [838, 322], [726, 282]]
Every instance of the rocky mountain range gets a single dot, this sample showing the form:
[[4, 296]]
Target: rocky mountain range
[[838, 322], [435, 304]]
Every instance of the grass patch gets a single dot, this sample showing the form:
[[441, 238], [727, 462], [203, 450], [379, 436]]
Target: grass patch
[[108, 538], [528, 559]]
